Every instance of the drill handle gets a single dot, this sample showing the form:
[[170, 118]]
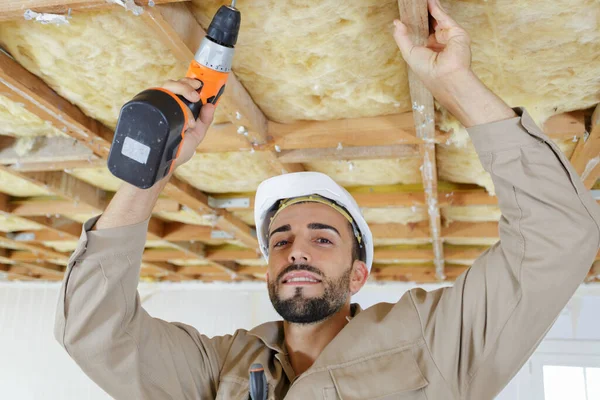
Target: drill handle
[[195, 108]]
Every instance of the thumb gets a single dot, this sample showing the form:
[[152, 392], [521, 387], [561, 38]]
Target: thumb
[[207, 114], [403, 40]]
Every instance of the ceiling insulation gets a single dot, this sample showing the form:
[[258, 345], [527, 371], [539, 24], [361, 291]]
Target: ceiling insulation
[[309, 60]]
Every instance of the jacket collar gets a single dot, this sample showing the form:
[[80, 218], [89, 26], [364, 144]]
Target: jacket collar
[[272, 335]]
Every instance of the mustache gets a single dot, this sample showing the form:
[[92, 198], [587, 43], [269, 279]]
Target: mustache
[[299, 267]]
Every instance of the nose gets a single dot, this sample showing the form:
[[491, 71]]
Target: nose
[[298, 255]]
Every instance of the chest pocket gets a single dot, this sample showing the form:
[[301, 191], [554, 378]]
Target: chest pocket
[[233, 388], [392, 376]]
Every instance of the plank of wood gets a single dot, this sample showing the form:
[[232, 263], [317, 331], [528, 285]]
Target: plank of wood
[[63, 227], [399, 231], [416, 273], [471, 230], [566, 125], [369, 131], [55, 206], [45, 150], [415, 15], [462, 198], [400, 253], [177, 231], [228, 253], [227, 222], [349, 153], [15, 9], [36, 251], [52, 206], [586, 157]]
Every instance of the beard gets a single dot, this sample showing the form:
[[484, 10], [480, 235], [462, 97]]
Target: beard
[[300, 309]]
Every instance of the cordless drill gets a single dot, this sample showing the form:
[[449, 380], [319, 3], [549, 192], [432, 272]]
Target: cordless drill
[[151, 127]]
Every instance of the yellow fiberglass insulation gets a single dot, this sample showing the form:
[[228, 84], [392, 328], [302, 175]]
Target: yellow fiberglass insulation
[[394, 215], [98, 61], [100, 177], [316, 59], [325, 59], [370, 172], [226, 172], [10, 223], [17, 121], [18, 187], [460, 163]]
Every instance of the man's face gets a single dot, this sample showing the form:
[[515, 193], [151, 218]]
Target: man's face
[[311, 273]]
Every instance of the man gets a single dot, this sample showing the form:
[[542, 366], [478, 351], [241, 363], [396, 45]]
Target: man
[[463, 342]]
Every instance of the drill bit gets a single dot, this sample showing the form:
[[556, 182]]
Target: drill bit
[[232, 3]]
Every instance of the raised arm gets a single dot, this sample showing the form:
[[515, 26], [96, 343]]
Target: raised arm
[[99, 319], [480, 331]]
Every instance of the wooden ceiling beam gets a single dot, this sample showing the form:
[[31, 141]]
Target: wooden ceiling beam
[[416, 16], [399, 231], [53, 206], [471, 230], [586, 157], [414, 273], [403, 151]]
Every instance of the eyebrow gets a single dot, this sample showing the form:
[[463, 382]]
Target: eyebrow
[[314, 225], [283, 228]]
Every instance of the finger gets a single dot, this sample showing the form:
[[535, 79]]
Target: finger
[[207, 114], [403, 40], [440, 15], [182, 89], [195, 83]]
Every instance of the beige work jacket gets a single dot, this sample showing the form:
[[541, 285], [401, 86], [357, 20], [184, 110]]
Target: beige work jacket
[[462, 342]]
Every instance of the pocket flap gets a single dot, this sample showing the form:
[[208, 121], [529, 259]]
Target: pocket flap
[[379, 376]]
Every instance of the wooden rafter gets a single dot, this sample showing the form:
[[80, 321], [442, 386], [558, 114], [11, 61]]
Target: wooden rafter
[[51, 206], [586, 157], [361, 138], [415, 15]]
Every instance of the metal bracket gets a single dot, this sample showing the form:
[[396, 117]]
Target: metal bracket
[[21, 237], [216, 234], [232, 202]]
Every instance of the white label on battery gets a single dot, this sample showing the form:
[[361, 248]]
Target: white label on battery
[[135, 150]]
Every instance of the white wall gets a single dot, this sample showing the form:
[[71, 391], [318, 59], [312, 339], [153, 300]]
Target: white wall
[[34, 366]]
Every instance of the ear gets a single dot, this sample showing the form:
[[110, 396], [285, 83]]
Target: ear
[[359, 277]]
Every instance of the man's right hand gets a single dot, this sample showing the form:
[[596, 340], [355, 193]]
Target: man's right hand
[[187, 87]]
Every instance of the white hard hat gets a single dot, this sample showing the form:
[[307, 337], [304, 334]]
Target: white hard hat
[[299, 184]]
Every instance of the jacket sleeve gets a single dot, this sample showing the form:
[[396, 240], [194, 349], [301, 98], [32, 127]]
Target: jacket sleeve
[[103, 327], [483, 329]]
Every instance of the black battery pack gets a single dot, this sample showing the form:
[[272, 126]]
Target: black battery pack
[[148, 134]]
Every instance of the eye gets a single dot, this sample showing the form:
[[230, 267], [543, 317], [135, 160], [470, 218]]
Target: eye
[[324, 241], [280, 243]]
